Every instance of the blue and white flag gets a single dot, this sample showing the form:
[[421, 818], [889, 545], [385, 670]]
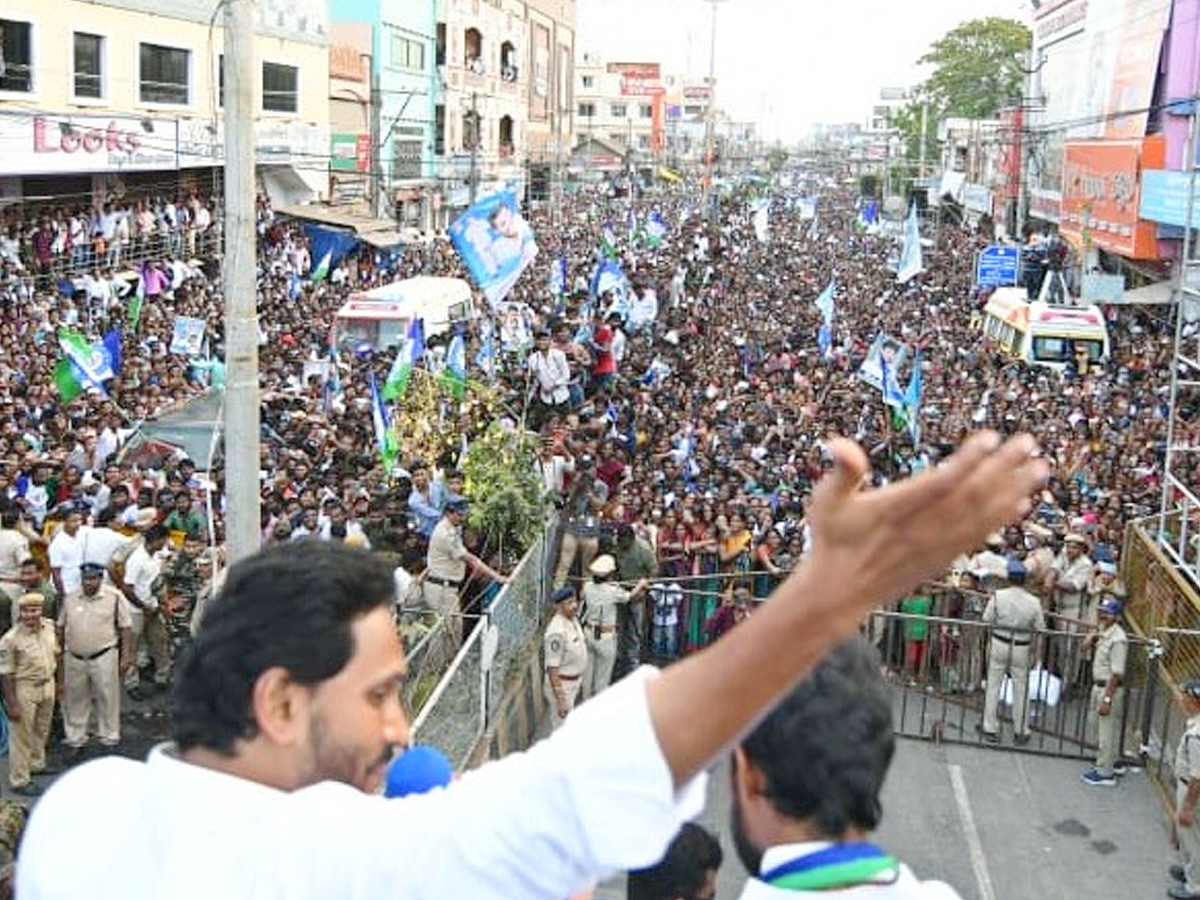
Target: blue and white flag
[[609, 278], [892, 395], [885, 350], [825, 340], [608, 239], [495, 242], [824, 302], [631, 225], [869, 213], [657, 371], [656, 229], [558, 276], [485, 359], [911, 263], [912, 400]]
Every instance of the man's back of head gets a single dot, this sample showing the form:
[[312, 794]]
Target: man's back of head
[[688, 871], [813, 770]]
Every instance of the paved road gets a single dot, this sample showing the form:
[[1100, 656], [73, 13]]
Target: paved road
[[1038, 831]]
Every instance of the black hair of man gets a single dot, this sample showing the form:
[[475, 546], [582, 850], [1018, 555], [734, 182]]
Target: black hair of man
[[825, 750], [682, 872], [290, 606], [156, 532]]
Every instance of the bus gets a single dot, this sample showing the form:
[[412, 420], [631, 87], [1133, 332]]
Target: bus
[[1042, 334]]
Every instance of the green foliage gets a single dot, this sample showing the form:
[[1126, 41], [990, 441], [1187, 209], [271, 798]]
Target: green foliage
[[508, 505], [978, 68], [776, 159]]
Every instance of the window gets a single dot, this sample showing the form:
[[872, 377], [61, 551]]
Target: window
[[506, 142], [16, 56], [280, 88], [89, 65], [440, 47], [587, 110], [617, 111], [646, 111], [407, 54], [406, 158], [471, 130], [164, 74], [692, 110], [439, 130], [508, 62], [473, 50], [589, 81], [643, 141]]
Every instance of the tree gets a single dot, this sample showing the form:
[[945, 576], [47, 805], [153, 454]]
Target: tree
[[978, 68]]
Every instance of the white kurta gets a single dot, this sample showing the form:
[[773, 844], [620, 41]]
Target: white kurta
[[595, 798]]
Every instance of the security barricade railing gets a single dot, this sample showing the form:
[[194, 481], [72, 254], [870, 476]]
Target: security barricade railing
[[1163, 609], [940, 668], [456, 713], [187, 244]]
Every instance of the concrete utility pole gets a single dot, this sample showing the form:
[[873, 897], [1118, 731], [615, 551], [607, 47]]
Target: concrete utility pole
[[710, 113], [376, 112], [242, 525], [473, 177], [924, 133]]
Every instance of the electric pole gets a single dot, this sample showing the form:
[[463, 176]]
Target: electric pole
[[242, 524], [477, 137], [710, 118], [376, 151]]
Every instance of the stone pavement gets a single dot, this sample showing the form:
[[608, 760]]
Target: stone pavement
[[1035, 830]]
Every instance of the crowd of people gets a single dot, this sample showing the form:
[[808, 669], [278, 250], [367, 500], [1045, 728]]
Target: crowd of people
[[696, 432]]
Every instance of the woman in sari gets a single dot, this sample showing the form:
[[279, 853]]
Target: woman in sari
[[705, 591]]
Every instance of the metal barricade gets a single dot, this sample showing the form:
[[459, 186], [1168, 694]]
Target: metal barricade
[[454, 715], [939, 667]]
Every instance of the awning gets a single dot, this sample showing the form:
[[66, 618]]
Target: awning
[[284, 186], [379, 233]]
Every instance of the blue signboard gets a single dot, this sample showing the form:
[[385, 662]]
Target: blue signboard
[[1165, 198], [997, 266]]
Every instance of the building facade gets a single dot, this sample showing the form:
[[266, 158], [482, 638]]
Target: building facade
[[382, 56], [118, 97], [551, 60]]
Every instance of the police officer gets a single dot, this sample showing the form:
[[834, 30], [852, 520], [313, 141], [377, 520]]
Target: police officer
[[566, 655], [28, 662], [1108, 675], [600, 601], [94, 630], [446, 565], [1015, 616], [1072, 575], [1187, 793]]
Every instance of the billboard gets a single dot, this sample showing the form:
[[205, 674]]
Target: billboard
[[52, 143], [349, 152], [1101, 192], [1165, 197]]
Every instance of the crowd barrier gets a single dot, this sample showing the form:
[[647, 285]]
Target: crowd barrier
[[455, 717], [187, 245]]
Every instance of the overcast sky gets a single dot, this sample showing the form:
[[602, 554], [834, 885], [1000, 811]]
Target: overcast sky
[[785, 63]]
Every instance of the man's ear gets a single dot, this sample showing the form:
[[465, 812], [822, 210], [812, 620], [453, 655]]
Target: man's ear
[[280, 707], [749, 782]]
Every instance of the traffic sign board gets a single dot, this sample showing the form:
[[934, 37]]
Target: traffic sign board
[[997, 265]]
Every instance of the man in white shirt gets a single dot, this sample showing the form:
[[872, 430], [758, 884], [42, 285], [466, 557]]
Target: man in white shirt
[[66, 553], [294, 681], [807, 784], [552, 377], [142, 587]]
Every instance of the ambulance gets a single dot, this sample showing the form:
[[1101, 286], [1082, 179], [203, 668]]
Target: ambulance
[[1043, 334]]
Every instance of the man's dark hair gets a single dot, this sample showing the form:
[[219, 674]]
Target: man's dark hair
[[825, 750], [290, 606], [156, 532], [681, 873]]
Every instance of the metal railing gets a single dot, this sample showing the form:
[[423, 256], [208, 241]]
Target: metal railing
[[940, 668], [456, 714], [181, 244]]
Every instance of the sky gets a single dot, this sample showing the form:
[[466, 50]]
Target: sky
[[785, 64]]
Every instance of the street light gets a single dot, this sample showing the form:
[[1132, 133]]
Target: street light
[[710, 118]]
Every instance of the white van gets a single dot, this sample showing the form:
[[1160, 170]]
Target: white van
[[381, 316], [1043, 334]]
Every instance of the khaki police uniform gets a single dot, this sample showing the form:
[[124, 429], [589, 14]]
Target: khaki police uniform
[[91, 636], [600, 602], [29, 657], [566, 651], [1112, 649], [1187, 769], [1015, 615], [1071, 586], [445, 570]]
